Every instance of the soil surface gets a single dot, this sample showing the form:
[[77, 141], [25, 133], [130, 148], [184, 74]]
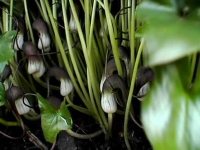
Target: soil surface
[[83, 125]]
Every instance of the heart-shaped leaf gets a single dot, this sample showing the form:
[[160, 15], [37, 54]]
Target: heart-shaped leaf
[[2, 94], [171, 115], [2, 65], [6, 46], [53, 120], [168, 36]]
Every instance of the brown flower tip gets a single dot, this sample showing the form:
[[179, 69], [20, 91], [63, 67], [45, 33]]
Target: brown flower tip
[[57, 72], [29, 49], [145, 74], [56, 102], [6, 73], [115, 83], [13, 93], [40, 26]]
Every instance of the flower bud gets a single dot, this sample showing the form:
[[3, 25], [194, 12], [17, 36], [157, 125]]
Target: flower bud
[[44, 38], [15, 96], [44, 42], [111, 69], [72, 24], [65, 83], [40, 26], [14, 93], [108, 102], [65, 86], [22, 106], [6, 73], [29, 49], [56, 102], [116, 83], [36, 66], [145, 75], [19, 41], [143, 91]]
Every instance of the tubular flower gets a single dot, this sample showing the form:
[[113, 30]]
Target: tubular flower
[[60, 74], [36, 66], [72, 24], [44, 38], [21, 105], [108, 102], [143, 91], [19, 41], [44, 42], [18, 102], [65, 86], [35, 62], [110, 69]]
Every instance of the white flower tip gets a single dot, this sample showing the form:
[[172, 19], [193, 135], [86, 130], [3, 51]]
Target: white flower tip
[[143, 91], [41, 71], [72, 24], [65, 86], [21, 107], [108, 102], [19, 41], [33, 66], [44, 42], [36, 67], [102, 82]]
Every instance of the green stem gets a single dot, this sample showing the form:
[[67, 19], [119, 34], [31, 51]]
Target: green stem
[[62, 51], [110, 122], [46, 18], [44, 12], [28, 21], [5, 19], [91, 26], [11, 14], [87, 18], [78, 108], [193, 64], [113, 35], [83, 136], [94, 106], [54, 9], [73, 59], [128, 105], [40, 9], [89, 64], [132, 35], [8, 123], [44, 84]]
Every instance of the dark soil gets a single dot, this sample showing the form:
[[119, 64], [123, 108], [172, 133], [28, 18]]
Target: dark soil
[[82, 124]]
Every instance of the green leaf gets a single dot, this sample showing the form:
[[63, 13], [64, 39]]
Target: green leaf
[[6, 46], [168, 36], [2, 94], [17, 8], [171, 115], [53, 121], [2, 65]]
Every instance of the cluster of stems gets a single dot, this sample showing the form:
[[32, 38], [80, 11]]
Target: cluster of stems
[[81, 45]]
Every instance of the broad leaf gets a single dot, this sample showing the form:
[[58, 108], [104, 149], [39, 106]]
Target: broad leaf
[[171, 115], [168, 36], [17, 6], [2, 94], [2, 65], [6, 46], [53, 121]]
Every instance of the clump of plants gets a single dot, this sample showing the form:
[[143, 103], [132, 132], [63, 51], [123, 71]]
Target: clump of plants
[[101, 59]]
